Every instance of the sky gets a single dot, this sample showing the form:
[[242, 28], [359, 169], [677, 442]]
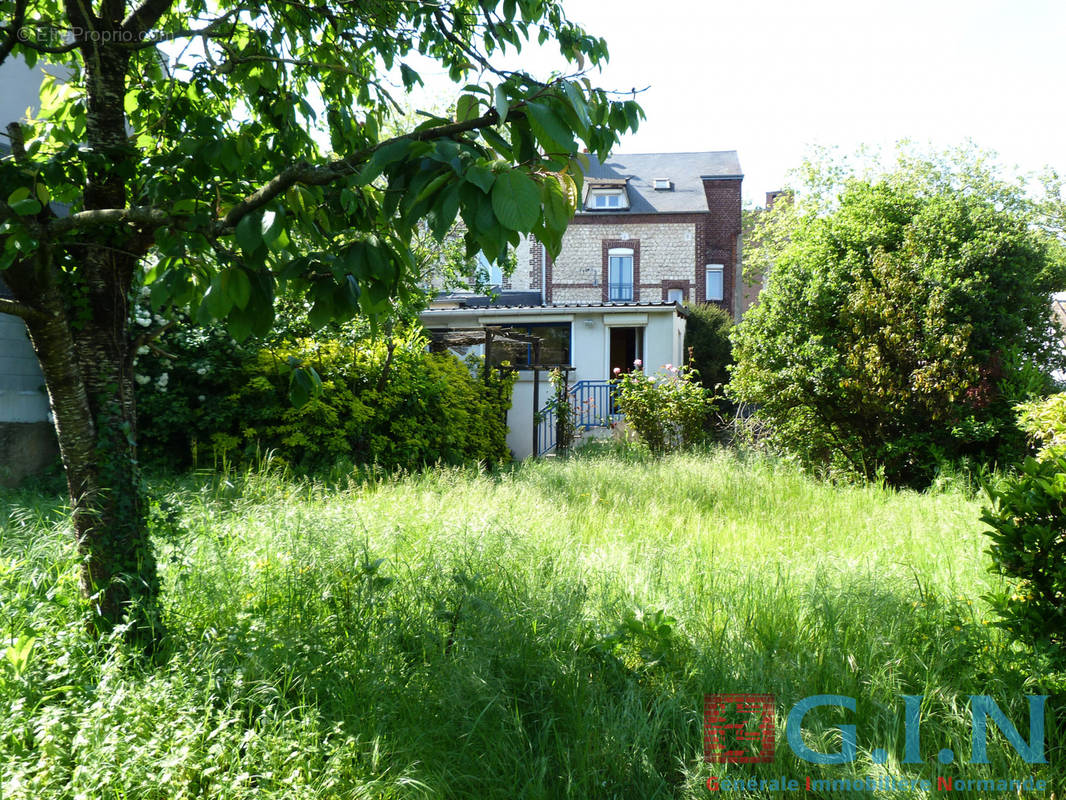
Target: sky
[[771, 78]]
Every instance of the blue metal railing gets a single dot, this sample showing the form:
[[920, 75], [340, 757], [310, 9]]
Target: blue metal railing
[[620, 292], [593, 404]]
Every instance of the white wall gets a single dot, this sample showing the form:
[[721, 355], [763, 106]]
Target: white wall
[[664, 335]]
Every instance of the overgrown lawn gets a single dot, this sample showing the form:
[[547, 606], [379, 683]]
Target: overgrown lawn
[[548, 631]]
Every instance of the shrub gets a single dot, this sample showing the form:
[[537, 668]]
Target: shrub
[[1045, 422], [895, 317], [380, 401], [665, 412], [1027, 519], [707, 343]]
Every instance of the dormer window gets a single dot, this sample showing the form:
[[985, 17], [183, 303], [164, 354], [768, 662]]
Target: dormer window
[[606, 196]]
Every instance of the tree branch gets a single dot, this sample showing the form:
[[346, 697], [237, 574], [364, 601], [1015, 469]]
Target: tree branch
[[13, 32], [17, 309], [18, 142], [149, 216], [144, 18], [209, 31], [308, 175]]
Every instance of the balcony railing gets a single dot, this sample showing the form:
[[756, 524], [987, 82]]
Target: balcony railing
[[620, 292]]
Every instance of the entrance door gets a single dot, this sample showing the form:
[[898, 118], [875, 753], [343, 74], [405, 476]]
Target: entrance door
[[627, 345]]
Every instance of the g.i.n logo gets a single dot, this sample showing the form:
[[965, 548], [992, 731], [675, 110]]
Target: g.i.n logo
[[739, 728]]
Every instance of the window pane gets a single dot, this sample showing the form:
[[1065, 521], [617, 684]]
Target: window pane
[[715, 284], [620, 278], [554, 345], [675, 295]]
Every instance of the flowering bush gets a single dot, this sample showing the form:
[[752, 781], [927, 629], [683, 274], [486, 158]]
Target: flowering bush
[[666, 412]]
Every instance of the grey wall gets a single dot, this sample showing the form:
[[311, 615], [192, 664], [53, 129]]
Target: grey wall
[[19, 90], [21, 383]]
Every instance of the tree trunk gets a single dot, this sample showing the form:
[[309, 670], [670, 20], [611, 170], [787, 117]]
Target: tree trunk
[[88, 373], [82, 339]]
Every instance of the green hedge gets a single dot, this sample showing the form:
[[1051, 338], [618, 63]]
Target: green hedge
[[219, 400]]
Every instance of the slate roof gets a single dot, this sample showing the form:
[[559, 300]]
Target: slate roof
[[686, 171]]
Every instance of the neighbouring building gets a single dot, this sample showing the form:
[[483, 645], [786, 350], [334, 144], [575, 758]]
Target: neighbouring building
[[653, 231], [27, 439]]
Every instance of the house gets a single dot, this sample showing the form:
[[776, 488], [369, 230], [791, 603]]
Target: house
[[653, 231]]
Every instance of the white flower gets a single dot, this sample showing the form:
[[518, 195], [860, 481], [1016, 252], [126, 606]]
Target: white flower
[[201, 371], [142, 379], [201, 398], [142, 350], [162, 381]]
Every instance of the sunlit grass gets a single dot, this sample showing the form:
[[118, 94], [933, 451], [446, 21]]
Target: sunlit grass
[[547, 631]]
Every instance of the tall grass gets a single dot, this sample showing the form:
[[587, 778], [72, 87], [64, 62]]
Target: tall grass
[[548, 631]]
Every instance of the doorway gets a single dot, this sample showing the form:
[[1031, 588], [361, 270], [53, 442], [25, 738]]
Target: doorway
[[627, 345]]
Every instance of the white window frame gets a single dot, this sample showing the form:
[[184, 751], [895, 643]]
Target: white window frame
[[596, 195], [679, 291], [719, 270], [620, 253]]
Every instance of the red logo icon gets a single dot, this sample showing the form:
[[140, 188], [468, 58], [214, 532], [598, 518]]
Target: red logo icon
[[738, 728]]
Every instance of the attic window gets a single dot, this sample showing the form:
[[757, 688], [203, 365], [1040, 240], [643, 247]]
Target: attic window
[[607, 198], [663, 184]]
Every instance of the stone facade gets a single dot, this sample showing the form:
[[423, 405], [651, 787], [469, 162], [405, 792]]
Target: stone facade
[[661, 252], [670, 251]]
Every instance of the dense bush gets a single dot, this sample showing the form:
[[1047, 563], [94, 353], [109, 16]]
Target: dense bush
[[902, 319], [707, 343], [1027, 518], [665, 412], [382, 400], [1045, 422]]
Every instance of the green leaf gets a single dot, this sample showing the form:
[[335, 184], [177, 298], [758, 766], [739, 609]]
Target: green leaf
[[217, 300], [549, 129], [249, 233], [502, 104], [497, 142], [516, 200], [27, 207], [274, 230], [384, 156], [239, 325], [466, 108], [235, 283], [18, 195], [410, 77], [481, 177]]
